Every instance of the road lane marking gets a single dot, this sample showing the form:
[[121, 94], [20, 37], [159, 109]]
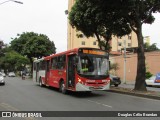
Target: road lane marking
[[100, 103], [11, 108], [8, 107]]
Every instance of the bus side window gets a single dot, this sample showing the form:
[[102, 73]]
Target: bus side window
[[54, 63], [61, 62], [42, 65], [58, 62]]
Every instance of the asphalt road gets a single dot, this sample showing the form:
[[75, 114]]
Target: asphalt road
[[25, 95]]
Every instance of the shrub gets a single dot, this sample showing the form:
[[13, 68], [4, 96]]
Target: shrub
[[148, 74]]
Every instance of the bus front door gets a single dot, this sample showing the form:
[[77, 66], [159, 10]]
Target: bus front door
[[71, 71], [47, 73]]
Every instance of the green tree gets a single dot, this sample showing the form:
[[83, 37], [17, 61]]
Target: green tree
[[12, 61], [1, 44], [33, 45], [149, 48], [148, 73], [134, 13], [114, 66], [38, 46], [146, 46], [3, 52], [154, 47]]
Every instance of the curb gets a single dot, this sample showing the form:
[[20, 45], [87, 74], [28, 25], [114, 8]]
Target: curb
[[136, 94]]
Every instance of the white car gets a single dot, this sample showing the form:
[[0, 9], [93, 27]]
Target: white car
[[154, 80], [4, 75], [2, 79], [11, 74]]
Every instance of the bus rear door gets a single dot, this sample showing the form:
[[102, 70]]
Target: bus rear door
[[47, 74]]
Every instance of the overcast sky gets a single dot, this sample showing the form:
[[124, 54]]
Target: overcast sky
[[39, 16], [48, 17], [153, 30]]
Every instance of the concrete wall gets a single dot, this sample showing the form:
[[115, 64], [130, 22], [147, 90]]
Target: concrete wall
[[152, 64]]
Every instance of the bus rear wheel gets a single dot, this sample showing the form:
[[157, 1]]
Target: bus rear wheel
[[62, 87]]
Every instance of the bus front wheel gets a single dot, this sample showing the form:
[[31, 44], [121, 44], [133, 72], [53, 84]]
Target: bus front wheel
[[62, 87]]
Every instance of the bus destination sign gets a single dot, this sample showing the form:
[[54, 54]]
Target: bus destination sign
[[93, 51]]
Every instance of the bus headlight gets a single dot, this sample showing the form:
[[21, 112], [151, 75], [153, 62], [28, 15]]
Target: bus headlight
[[80, 81]]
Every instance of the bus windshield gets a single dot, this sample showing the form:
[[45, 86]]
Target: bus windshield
[[92, 65]]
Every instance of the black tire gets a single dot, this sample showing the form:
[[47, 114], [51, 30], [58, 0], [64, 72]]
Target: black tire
[[116, 85], [62, 88], [88, 92], [149, 85]]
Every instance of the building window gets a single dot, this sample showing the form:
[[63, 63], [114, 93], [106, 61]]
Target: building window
[[119, 37], [129, 44], [94, 43], [119, 50], [129, 37], [119, 44], [83, 43]]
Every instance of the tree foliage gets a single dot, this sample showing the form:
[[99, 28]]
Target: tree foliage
[[12, 61], [33, 45], [114, 67], [149, 48], [117, 17], [1, 44]]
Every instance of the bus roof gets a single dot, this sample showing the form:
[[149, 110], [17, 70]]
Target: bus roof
[[72, 51], [75, 50]]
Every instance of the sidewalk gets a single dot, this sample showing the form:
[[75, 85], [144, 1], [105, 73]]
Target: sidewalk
[[152, 92]]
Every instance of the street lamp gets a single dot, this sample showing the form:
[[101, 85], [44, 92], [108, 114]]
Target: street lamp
[[19, 2]]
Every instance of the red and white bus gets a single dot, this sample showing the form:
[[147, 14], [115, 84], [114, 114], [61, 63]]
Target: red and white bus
[[79, 69]]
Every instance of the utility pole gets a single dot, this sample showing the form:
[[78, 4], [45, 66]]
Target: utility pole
[[124, 62]]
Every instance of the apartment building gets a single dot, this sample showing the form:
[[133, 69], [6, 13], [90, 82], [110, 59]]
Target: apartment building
[[117, 43]]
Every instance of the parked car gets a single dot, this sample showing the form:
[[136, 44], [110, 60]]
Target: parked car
[[154, 80], [115, 80], [4, 75], [11, 74], [2, 81]]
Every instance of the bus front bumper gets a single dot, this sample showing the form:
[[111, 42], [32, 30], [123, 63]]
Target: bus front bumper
[[81, 87]]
